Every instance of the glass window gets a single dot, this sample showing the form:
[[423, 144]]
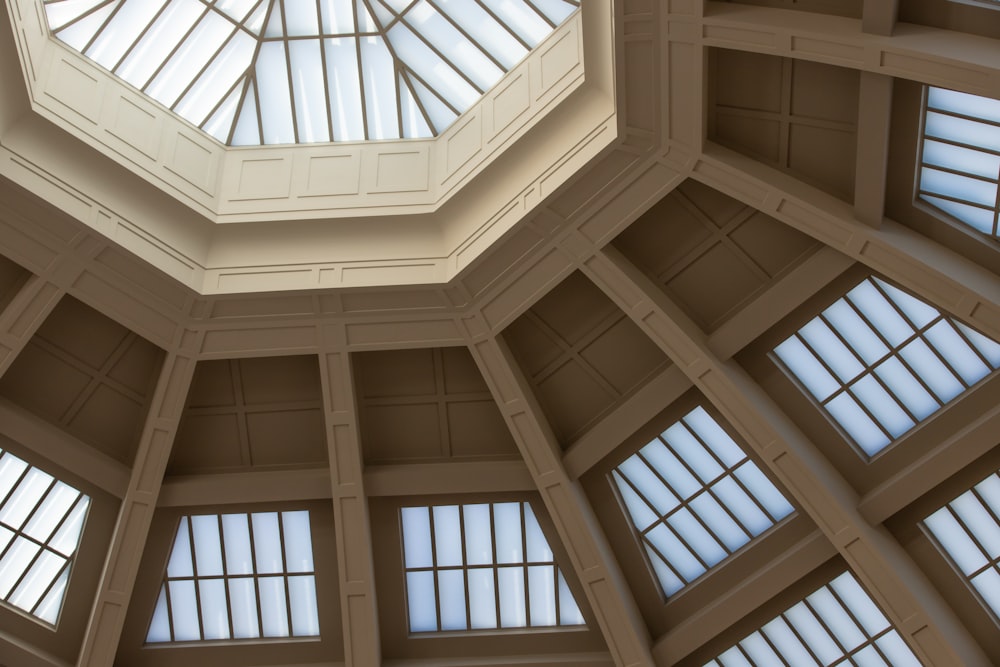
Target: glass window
[[238, 576], [960, 157], [253, 72], [880, 361], [695, 498], [41, 521], [968, 530], [482, 567], [838, 624]]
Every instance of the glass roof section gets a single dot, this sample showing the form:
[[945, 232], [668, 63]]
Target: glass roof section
[[695, 498], [482, 567], [880, 361], [238, 576], [838, 624], [41, 521], [968, 530], [253, 72], [960, 157]]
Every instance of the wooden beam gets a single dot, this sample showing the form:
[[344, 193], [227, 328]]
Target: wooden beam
[[917, 610], [355, 559], [114, 591], [878, 17], [415, 479], [609, 596], [231, 488], [24, 315], [872, 156]]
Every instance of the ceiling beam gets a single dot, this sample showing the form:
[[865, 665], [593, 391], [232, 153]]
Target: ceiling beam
[[872, 155], [878, 17], [916, 609], [22, 317], [355, 557], [114, 591], [609, 597]]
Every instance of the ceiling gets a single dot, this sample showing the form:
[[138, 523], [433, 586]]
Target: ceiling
[[762, 164]]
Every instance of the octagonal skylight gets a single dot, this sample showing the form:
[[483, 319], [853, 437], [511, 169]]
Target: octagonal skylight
[[252, 72]]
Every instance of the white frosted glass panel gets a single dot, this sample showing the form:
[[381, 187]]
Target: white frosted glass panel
[[680, 557], [25, 497], [905, 386], [988, 586], [542, 595], [962, 130], [5, 537], [429, 66], [109, 47], [958, 353], [642, 515], [478, 534], [966, 188], [61, 12], [569, 612], [989, 491], [236, 534], [79, 33], [11, 469], [302, 600], [482, 599], [871, 618], [267, 542], [813, 633], [857, 332], [275, 94], [36, 582], [247, 130], [379, 89], [806, 368], [963, 103], [648, 484], [720, 522], [55, 506], [524, 21], [237, 9], [680, 479], [956, 541], [207, 545], [739, 503], [732, 658], [761, 488], [929, 367], [846, 411], [787, 643], [337, 16], [440, 114], [706, 428], [831, 349], [507, 524], [184, 611], [836, 619], [485, 30], [957, 158], [980, 523], [417, 537], [697, 538], [300, 19], [243, 600], [221, 76], [868, 657], [451, 593], [447, 536], [17, 559], [880, 313], [210, 33], [513, 611], [298, 541], [669, 581], [159, 627], [978, 218], [699, 459], [896, 650], [48, 609], [420, 601], [214, 611], [456, 48], [538, 546], [882, 406], [759, 651], [307, 82], [344, 87], [273, 607]]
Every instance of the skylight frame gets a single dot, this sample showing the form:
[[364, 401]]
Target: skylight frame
[[671, 582], [950, 528], [16, 499], [790, 632], [955, 161], [256, 632], [419, 116], [568, 616], [900, 365]]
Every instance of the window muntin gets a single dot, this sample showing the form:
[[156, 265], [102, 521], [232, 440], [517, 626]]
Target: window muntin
[[482, 567], [960, 157], [968, 531], [695, 498], [238, 576], [838, 624], [251, 72], [880, 361], [41, 521]]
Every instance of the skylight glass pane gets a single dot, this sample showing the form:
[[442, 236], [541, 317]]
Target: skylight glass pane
[[910, 361], [227, 578], [962, 137], [710, 499], [838, 624], [968, 530], [460, 585], [41, 520]]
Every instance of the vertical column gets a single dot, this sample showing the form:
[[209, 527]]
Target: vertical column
[[915, 608], [609, 597], [362, 647], [874, 117], [115, 589]]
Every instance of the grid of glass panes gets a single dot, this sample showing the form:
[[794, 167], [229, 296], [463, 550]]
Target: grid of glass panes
[[41, 521], [968, 530], [252, 72], [482, 566], [695, 498], [880, 361], [238, 576], [960, 158], [838, 624]]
